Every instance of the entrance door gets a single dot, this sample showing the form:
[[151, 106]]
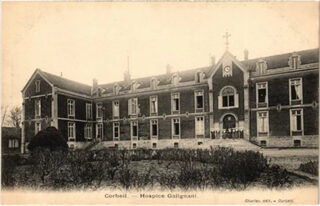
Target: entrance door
[[229, 122]]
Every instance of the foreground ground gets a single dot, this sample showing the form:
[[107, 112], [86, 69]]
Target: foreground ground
[[219, 168]]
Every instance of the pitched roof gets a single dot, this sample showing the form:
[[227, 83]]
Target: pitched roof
[[66, 84], [10, 132], [279, 61], [164, 79]]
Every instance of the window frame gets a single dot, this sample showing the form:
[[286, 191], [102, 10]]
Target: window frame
[[197, 135], [196, 94], [114, 126], [38, 86], [295, 101], [266, 103], [98, 127], [153, 113], [134, 123], [72, 103], [173, 103], [154, 122], [99, 107], [235, 98], [37, 111], [72, 125], [266, 124], [88, 130], [89, 113], [292, 119], [173, 135], [114, 103], [130, 106]]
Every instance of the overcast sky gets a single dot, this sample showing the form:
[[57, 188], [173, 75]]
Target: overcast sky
[[92, 40]]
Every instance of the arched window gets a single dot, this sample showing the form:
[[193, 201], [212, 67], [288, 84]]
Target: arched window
[[228, 97]]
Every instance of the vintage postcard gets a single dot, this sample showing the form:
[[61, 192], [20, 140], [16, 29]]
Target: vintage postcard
[[160, 103]]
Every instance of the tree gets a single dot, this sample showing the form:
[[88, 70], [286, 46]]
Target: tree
[[4, 110], [50, 138], [15, 117]]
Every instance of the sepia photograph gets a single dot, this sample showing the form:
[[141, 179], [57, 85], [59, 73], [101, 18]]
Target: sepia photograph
[[160, 103]]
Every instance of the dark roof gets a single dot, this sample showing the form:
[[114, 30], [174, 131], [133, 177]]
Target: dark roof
[[164, 79], [273, 62], [279, 61], [10, 132], [67, 84]]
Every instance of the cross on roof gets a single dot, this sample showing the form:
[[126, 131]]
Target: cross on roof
[[227, 35]]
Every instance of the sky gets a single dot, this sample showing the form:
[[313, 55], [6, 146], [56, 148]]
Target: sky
[[85, 40]]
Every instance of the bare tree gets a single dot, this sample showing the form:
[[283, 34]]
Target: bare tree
[[15, 117], [4, 110]]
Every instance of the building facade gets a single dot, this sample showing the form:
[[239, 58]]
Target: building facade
[[270, 101]]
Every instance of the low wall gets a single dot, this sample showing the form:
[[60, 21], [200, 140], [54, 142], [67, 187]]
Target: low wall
[[310, 141]]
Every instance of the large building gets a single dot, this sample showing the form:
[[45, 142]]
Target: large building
[[269, 101]]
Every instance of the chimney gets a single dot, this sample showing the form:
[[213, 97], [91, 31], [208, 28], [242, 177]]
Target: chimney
[[212, 60], [246, 54], [168, 69]]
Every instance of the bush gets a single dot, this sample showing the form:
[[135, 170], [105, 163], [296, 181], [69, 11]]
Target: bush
[[275, 176], [49, 138], [310, 167]]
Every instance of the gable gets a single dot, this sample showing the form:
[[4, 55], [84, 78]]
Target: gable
[[30, 89]]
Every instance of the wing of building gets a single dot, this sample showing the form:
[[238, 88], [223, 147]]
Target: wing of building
[[270, 101]]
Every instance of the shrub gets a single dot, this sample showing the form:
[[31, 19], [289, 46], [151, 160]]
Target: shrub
[[49, 138], [275, 176], [8, 167], [310, 167]]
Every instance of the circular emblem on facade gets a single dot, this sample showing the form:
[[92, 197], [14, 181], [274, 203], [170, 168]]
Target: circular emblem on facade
[[227, 69]]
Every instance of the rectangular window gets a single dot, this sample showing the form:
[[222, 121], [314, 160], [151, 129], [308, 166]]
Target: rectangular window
[[38, 108], [116, 131], [71, 107], [99, 110], [153, 105], [296, 121], [175, 102], [99, 130], [89, 110], [296, 91], [176, 128], [71, 131], [262, 94], [88, 131], [199, 126], [133, 106], [262, 123], [199, 99], [154, 128], [37, 127], [198, 77], [13, 144], [38, 86], [116, 109], [134, 130]]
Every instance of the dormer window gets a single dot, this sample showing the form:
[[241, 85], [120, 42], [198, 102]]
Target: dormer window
[[261, 67], [37, 86], [198, 77], [99, 92], [153, 84], [133, 87], [116, 89], [294, 61], [175, 79]]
